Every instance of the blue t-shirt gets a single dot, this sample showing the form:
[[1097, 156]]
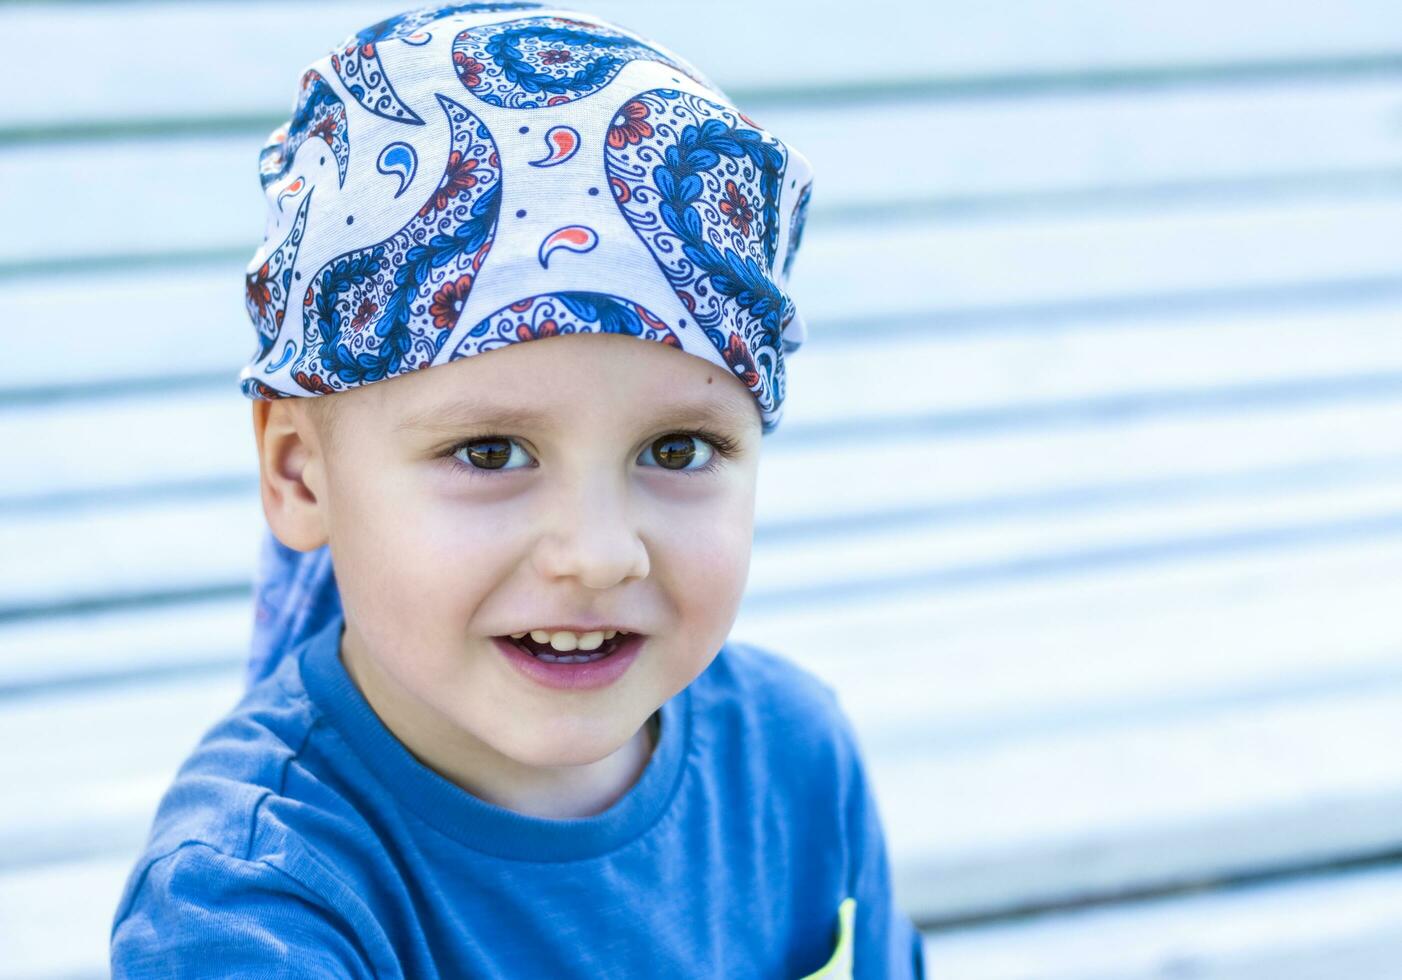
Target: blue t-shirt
[[301, 838]]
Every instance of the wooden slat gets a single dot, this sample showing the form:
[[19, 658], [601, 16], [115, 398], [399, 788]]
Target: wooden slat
[[86, 649], [1093, 648], [1347, 924], [982, 829], [1080, 150], [55, 919], [113, 329], [255, 50], [112, 778], [1030, 261]]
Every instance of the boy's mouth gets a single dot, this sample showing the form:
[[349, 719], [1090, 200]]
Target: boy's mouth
[[547, 653]]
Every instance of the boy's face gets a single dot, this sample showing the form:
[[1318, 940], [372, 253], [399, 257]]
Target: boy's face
[[583, 521]]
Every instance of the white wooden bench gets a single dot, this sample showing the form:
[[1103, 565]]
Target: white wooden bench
[[1088, 496]]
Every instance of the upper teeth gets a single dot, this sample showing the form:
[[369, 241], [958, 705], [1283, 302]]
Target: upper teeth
[[566, 640]]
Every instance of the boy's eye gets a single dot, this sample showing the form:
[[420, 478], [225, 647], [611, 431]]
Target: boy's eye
[[489, 453], [675, 450]]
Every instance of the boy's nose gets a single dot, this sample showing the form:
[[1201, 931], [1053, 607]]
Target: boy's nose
[[588, 533]]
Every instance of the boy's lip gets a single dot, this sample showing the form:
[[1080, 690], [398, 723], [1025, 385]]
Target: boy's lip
[[573, 676]]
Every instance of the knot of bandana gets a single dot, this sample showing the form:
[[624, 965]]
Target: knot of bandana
[[457, 178]]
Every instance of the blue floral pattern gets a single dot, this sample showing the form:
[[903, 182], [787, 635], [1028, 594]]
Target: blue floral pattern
[[700, 184], [320, 114], [387, 308], [555, 314], [357, 61], [546, 61]]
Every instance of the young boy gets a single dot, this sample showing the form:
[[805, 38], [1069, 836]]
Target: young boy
[[520, 745]]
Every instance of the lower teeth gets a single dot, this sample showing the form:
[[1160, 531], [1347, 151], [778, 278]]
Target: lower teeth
[[588, 658], [571, 658]]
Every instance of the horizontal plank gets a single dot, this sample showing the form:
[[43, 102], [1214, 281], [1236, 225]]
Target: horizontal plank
[[1090, 649], [123, 644], [103, 444], [867, 272], [55, 919], [1344, 924], [252, 71], [891, 268], [1068, 816], [1083, 150], [956, 554]]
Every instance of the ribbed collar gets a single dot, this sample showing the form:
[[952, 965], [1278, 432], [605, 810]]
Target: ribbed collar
[[469, 819]]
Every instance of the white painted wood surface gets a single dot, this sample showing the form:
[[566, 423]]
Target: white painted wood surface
[[1088, 499]]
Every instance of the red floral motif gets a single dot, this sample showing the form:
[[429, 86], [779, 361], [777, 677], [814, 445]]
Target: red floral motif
[[630, 125], [326, 126], [459, 177], [557, 100], [556, 56], [469, 69], [313, 382], [363, 314], [448, 301], [258, 292], [547, 328], [621, 193], [737, 207], [737, 355], [658, 324]]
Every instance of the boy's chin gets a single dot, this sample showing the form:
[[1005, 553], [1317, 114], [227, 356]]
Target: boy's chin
[[569, 747]]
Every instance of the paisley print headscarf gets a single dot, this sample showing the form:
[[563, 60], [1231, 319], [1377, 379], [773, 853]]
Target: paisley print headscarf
[[457, 178]]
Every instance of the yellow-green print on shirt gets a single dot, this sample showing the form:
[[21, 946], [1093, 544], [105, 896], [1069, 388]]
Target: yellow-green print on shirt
[[840, 966]]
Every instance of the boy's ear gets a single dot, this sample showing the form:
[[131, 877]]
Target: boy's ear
[[291, 473]]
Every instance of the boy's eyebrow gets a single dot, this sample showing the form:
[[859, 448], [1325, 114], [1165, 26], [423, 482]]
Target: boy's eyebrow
[[459, 415]]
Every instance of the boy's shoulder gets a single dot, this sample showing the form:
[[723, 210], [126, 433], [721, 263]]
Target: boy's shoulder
[[239, 763], [751, 690], [212, 808], [760, 671]]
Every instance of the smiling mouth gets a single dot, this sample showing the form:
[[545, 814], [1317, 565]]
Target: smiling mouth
[[548, 654]]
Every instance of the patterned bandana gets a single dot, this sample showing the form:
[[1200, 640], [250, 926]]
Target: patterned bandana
[[455, 179]]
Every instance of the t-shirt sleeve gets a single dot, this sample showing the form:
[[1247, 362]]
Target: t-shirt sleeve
[[200, 913], [885, 943]]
